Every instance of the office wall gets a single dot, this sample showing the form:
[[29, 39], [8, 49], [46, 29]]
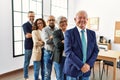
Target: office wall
[[71, 13], [7, 62], [107, 11]]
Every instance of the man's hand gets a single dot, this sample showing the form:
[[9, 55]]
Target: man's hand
[[85, 68], [28, 35], [51, 37], [42, 43], [62, 41]]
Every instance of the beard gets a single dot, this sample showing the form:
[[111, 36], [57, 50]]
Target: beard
[[52, 25]]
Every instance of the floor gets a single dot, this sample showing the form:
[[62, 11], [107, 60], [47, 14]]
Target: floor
[[19, 74]]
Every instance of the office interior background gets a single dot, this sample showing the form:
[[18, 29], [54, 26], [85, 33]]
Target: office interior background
[[107, 10]]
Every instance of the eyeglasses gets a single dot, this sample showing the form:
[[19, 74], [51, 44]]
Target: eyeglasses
[[63, 21], [39, 23], [31, 16]]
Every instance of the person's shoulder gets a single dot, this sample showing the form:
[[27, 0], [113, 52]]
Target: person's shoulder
[[46, 28], [26, 23], [56, 28], [34, 31], [90, 30], [70, 30], [57, 31]]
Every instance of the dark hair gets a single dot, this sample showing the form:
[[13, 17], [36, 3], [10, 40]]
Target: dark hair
[[35, 27]]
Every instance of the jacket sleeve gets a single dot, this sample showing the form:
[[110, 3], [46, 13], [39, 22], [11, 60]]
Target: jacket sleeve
[[36, 40], [26, 28], [57, 40]]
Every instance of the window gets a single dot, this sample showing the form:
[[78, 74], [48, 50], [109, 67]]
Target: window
[[59, 8], [20, 12]]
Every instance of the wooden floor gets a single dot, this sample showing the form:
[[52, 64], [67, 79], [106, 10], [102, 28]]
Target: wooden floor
[[18, 75]]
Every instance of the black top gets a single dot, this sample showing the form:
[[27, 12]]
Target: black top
[[59, 46], [27, 28]]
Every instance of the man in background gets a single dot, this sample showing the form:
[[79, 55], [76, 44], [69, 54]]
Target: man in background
[[47, 35], [28, 44]]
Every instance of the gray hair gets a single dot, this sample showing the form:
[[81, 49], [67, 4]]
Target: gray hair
[[59, 19], [82, 12]]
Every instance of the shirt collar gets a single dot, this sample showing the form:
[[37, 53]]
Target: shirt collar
[[30, 22], [79, 29]]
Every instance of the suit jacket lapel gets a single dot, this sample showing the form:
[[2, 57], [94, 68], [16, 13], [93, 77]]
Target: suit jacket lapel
[[76, 32], [62, 35], [88, 40]]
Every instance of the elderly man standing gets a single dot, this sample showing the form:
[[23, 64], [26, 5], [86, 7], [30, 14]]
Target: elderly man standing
[[80, 48], [47, 35]]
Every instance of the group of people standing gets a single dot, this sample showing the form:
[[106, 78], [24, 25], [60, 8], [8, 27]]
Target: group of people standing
[[49, 45]]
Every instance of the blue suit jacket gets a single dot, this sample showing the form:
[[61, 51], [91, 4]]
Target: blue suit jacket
[[74, 55]]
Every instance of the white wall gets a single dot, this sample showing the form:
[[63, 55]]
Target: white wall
[[71, 13], [7, 62], [108, 12]]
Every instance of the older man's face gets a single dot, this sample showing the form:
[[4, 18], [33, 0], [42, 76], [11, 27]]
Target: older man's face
[[81, 20]]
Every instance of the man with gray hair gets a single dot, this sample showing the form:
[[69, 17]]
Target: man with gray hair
[[80, 48]]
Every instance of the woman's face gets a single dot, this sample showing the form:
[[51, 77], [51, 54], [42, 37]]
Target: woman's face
[[40, 24], [63, 24]]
